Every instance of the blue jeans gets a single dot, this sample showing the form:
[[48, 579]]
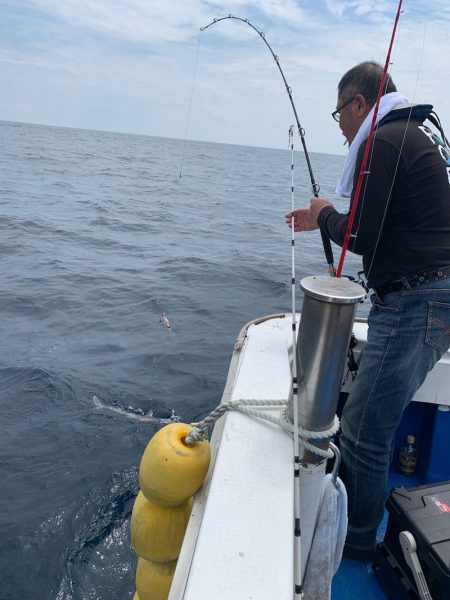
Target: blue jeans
[[409, 331]]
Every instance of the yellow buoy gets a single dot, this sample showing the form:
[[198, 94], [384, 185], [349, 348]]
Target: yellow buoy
[[170, 470], [157, 532], [153, 580]]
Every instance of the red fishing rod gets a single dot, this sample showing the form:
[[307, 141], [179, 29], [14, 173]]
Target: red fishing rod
[[363, 171]]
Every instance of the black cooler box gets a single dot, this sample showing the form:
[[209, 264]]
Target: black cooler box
[[424, 511]]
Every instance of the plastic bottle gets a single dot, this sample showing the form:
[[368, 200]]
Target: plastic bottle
[[407, 458]]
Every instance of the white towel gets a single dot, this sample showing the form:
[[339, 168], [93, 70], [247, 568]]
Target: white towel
[[328, 541], [387, 103]]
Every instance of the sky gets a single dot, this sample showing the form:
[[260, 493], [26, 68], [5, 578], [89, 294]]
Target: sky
[[129, 65]]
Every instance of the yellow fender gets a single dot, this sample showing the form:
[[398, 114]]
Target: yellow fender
[[157, 532], [153, 580], [170, 470]]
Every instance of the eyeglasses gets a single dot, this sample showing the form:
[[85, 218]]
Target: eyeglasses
[[337, 113]]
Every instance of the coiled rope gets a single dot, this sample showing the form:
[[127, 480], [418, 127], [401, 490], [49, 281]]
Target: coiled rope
[[255, 408]]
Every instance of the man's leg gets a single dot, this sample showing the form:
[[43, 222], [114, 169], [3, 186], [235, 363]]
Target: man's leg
[[395, 362]]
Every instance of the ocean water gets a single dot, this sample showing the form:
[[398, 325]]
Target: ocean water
[[99, 236]]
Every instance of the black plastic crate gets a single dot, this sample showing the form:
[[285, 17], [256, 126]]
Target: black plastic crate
[[424, 511], [392, 578]]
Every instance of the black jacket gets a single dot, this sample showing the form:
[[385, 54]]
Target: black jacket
[[402, 223]]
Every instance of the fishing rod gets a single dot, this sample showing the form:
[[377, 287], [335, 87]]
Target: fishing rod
[[314, 186], [363, 171], [298, 581]]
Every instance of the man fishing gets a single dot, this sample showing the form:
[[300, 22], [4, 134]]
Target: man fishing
[[402, 231]]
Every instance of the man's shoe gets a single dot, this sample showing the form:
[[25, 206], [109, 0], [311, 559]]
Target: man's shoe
[[361, 554]]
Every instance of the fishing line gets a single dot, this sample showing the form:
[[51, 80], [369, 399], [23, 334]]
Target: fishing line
[[298, 585], [366, 180], [399, 156], [315, 188], [190, 105], [363, 171]]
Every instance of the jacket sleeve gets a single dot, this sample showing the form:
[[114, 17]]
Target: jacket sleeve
[[373, 203]]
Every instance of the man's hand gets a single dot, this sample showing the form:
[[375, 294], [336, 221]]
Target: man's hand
[[305, 219]]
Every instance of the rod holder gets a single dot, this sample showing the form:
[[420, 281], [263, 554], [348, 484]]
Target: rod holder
[[328, 312]]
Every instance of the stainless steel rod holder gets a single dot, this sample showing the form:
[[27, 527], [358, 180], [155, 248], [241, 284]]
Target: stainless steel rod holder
[[327, 316]]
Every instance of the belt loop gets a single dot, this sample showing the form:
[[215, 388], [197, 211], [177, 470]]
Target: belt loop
[[406, 283]]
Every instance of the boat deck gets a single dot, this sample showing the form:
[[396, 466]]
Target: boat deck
[[355, 580], [238, 544]]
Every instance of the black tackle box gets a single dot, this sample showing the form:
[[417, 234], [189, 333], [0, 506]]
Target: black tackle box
[[424, 511]]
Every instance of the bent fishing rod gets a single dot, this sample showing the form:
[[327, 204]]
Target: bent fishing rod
[[363, 171], [314, 186]]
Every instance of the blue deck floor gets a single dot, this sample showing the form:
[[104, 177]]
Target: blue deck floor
[[355, 580]]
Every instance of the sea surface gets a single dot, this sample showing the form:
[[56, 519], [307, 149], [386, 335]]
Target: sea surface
[[99, 236]]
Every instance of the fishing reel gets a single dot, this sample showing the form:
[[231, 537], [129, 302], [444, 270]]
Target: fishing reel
[[359, 279]]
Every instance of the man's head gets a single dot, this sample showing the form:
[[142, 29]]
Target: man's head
[[357, 93]]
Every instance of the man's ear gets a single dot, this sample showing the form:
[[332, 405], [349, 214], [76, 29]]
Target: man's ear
[[362, 105]]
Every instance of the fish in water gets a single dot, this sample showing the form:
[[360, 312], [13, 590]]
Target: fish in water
[[123, 411], [164, 320], [130, 414]]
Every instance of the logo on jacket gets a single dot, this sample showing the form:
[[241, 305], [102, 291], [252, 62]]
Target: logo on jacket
[[444, 150]]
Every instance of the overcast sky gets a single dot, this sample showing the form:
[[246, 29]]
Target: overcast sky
[[128, 65]]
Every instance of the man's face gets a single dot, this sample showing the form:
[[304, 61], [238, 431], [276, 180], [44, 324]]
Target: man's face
[[346, 119], [352, 115]]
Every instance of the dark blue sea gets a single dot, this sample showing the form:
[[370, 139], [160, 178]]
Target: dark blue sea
[[99, 236]]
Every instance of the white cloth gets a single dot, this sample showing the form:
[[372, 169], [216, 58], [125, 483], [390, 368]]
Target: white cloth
[[328, 541], [387, 103]]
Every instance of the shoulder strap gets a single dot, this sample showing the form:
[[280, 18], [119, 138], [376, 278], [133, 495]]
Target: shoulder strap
[[419, 112], [408, 111], [416, 111], [434, 119]]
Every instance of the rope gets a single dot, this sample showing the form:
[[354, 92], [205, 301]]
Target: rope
[[305, 434], [198, 433], [250, 407]]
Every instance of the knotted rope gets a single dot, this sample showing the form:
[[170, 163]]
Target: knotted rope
[[253, 408]]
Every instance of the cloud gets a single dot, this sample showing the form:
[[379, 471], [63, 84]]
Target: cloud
[[155, 22], [138, 21], [350, 8], [128, 64], [15, 58], [337, 7]]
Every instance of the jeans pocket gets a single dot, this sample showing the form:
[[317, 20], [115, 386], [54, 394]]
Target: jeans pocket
[[381, 307], [438, 326]]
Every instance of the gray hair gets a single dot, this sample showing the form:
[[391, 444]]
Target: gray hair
[[365, 79]]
